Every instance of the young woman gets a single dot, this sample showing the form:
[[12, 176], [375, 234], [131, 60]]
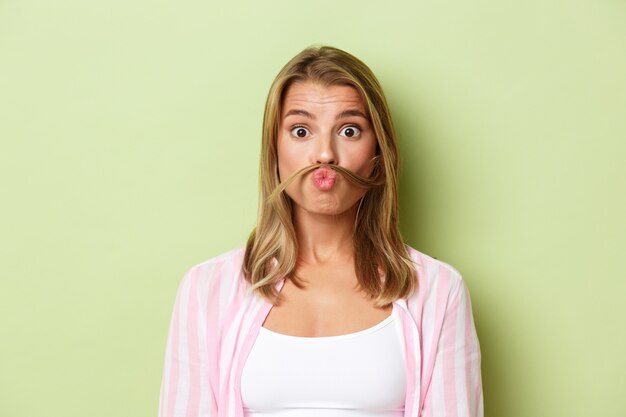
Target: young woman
[[325, 312]]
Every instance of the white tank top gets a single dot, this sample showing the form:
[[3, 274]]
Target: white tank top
[[359, 374]]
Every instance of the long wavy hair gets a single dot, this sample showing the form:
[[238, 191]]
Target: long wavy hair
[[383, 267]]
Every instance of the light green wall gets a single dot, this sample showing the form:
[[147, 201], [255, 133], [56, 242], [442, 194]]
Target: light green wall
[[129, 147]]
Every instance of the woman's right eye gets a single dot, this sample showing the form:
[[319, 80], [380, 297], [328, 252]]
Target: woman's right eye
[[299, 132]]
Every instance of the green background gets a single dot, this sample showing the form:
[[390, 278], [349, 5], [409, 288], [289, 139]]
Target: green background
[[130, 133]]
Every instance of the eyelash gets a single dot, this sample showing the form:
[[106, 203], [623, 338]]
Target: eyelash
[[353, 126], [359, 130], [297, 127]]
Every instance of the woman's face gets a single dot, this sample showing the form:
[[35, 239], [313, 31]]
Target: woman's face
[[324, 125]]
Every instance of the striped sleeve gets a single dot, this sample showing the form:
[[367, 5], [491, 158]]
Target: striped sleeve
[[456, 385], [185, 387]]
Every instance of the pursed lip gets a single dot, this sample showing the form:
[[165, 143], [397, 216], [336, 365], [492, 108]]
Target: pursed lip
[[324, 178]]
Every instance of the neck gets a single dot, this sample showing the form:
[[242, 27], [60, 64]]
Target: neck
[[323, 238]]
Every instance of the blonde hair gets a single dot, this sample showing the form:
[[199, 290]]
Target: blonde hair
[[383, 267]]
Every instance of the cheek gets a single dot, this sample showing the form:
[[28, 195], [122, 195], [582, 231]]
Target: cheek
[[287, 159], [363, 157]]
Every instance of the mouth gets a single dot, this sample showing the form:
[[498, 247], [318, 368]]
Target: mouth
[[324, 178]]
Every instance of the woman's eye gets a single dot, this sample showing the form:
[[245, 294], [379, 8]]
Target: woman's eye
[[350, 131], [299, 132]]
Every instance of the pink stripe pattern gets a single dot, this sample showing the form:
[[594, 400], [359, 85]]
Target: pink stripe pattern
[[216, 318]]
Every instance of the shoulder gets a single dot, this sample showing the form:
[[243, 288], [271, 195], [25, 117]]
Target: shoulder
[[220, 273], [430, 263], [435, 277], [230, 258]]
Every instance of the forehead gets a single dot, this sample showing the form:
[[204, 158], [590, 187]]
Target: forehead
[[313, 94]]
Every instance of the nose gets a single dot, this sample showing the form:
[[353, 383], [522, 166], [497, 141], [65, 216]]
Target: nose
[[325, 152]]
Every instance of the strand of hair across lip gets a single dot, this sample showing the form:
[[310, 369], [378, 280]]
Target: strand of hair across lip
[[349, 175]]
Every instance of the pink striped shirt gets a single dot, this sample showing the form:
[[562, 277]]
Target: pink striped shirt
[[216, 319]]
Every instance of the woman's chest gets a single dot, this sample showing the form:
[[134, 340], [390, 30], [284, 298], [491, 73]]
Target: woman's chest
[[361, 373], [322, 310]]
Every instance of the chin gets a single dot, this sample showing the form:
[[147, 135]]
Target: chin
[[328, 210], [325, 204]]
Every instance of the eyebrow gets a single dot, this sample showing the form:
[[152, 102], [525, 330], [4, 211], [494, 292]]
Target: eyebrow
[[299, 112], [346, 113], [349, 113]]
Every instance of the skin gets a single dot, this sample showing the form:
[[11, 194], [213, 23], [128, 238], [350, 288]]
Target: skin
[[315, 128]]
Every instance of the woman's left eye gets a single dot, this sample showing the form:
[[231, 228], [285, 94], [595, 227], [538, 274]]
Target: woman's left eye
[[350, 131]]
